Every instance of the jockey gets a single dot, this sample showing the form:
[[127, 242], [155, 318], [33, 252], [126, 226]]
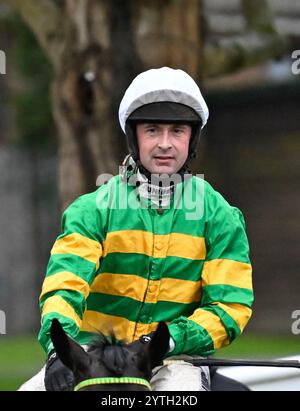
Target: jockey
[[155, 243]]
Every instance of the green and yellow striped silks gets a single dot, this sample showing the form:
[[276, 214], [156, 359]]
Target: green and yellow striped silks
[[79, 245], [156, 245], [129, 269]]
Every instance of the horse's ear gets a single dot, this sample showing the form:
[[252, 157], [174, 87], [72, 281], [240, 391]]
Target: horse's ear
[[69, 351], [158, 347]]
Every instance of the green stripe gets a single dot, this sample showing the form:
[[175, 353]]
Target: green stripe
[[83, 217], [68, 325], [125, 263], [237, 251], [190, 208], [114, 305], [86, 337], [167, 310], [190, 338], [139, 264], [142, 219], [226, 294], [225, 231], [122, 216], [131, 309], [230, 325], [183, 268], [74, 298], [69, 262]]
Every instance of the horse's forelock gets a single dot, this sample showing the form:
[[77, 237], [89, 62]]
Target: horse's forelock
[[111, 352], [114, 358]]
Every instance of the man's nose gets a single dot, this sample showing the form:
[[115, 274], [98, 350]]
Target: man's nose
[[165, 141]]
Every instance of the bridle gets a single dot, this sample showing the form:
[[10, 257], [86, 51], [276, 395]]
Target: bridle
[[112, 380]]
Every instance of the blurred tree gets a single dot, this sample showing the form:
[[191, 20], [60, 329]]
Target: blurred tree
[[97, 46]]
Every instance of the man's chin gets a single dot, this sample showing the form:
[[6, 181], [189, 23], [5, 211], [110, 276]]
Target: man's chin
[[163, 170], [169, 169]]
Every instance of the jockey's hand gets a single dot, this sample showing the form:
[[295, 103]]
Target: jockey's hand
[[58, 377]]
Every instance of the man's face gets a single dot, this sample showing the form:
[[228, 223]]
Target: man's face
[[163, 148]]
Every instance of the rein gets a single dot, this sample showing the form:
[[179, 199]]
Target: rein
[[219, 362], [112, 380]]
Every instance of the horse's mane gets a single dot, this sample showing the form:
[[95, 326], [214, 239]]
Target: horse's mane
[[110, 351]]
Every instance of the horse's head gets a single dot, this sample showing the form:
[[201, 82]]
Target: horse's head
[[110, 365]]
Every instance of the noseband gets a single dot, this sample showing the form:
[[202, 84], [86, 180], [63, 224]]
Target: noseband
[[112, 380]]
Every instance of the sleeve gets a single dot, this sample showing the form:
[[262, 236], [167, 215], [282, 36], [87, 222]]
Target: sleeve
[[74, 260], [227, 293]]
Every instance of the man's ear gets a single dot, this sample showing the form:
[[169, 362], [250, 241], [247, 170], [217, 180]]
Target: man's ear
[[157, 348], [69, 351]]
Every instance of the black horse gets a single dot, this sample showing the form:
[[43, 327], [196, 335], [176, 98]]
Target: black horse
[[111, 365]]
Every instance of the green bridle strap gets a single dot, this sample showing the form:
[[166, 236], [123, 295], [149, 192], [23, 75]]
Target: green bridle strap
[[112, 380]]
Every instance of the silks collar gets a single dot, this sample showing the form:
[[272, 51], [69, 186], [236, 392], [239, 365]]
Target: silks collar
[[151, 188], [112, 380]]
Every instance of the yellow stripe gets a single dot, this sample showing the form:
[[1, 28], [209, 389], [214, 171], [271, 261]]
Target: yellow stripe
[[80, 246], [128, 241], [140, 289], [187, 246], [122, 328], [65, 280], [128, 285], [228, 272], [58, 305], [213, 325], [180, 291], [158, 245], [238, 312], [142, 329]]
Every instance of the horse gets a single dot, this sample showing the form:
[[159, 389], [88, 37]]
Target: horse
[[108, 364], [111, 365]]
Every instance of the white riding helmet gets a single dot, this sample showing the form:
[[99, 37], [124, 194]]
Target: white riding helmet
[[163, 95]]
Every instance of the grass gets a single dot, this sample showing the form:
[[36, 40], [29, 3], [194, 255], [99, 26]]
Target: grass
[[22, 357], [254, 346]]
